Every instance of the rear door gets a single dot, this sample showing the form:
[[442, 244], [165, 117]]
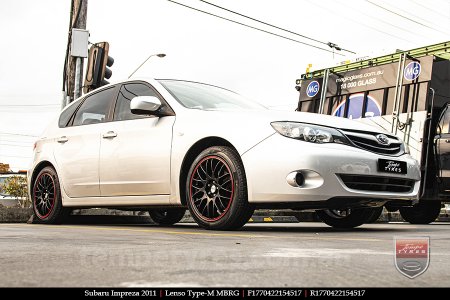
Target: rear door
[[135, 150], [443, 149], [77, 146]]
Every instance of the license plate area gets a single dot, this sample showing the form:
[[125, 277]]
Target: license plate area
[[392, 166]]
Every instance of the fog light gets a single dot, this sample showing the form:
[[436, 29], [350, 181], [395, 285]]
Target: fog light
[[299, 179], [304, 179], [296, 179]]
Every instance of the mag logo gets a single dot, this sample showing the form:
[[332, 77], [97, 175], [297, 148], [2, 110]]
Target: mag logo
[[412, 71], [312, 89], [412, 255]]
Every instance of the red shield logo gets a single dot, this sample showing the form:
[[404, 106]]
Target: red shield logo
[[412, 255]]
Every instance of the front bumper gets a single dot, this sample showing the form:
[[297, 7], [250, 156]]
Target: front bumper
[[269, 163]]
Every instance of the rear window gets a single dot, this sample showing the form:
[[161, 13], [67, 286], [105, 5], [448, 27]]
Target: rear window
[[67, 114]]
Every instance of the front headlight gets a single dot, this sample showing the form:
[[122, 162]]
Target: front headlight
[[309, 132]]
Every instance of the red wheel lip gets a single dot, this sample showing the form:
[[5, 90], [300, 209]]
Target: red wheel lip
[[232, 188], [34, 197]]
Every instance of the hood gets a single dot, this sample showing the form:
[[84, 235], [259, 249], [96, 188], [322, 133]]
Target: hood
[[268, 116], [326, 120]]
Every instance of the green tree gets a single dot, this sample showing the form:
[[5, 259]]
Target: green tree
[[4, 168], [16, 186]]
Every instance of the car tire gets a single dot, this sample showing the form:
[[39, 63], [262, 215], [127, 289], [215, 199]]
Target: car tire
[[167, 216], [46, 198], [216, 190], [423, 213], [348, 218], [377, 211]]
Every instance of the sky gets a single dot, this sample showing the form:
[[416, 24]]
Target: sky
[[199, 47]]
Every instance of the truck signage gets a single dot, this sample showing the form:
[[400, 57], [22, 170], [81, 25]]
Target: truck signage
[[371, 78], [412, 71], [312, 89]]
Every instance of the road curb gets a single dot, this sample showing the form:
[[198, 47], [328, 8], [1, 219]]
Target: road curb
[[273, 219], [14, 214]]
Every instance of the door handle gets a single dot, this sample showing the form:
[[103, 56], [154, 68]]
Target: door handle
[[109, 135], [447, 141], [62, 139]]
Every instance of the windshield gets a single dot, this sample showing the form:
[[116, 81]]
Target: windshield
[[207, 97]]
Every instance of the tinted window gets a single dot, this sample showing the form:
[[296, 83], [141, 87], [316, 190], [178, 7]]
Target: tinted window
[[126, 94], [94, 109], [66, 115]]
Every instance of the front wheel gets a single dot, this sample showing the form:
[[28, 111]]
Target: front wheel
[[423, 213], [46, 197], [346, 218], [216, 190], [167, 216]]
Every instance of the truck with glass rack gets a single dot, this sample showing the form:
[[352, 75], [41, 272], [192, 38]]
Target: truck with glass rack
[[407, 93]]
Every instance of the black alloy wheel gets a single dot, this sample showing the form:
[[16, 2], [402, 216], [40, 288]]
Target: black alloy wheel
[[217, 190]]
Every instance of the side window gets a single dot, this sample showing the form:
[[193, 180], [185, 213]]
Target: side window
[[94, 109], [126, 94], [444, 122], [67, 114]]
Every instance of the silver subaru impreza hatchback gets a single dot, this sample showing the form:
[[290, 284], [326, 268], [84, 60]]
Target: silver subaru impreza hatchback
[[168, 145]]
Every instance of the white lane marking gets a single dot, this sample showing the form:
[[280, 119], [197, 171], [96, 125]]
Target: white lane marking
[[321, 252]]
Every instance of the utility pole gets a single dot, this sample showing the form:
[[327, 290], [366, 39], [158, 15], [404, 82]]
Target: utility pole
[[73, 66]]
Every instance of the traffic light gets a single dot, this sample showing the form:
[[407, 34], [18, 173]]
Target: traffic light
[[97, 68]]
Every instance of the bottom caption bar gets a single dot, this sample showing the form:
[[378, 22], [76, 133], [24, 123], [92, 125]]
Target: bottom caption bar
[[200, 293]]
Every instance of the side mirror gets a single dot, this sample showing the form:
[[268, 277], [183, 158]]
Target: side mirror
[[145, 105]]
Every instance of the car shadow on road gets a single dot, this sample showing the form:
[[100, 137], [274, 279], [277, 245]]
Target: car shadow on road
[[294, 228], [303, 227]]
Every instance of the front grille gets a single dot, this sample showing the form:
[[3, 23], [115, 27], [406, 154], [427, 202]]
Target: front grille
[[368, 141], [377, 183]]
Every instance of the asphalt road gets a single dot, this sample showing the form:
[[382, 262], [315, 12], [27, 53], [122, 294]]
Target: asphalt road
[[260, 255]]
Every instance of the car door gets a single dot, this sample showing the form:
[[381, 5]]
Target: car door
[[135, 150], [78, 145], [443, 150]]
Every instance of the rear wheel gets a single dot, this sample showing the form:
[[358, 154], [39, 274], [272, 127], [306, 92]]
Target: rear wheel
[[46, 197], [345, 218], [423, 213], [167, 216], [217, 190]]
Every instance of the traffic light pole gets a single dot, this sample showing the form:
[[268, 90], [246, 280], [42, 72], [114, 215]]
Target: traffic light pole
[[78, 77], [74, 65]]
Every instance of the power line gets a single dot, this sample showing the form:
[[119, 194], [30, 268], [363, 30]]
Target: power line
[[361, 23], [265, 23], [413, 16], [15, 141], [19, 156], [380, 20], [12, 145], [416, 17], [16, 167], [27, 105], [430, 9], [19, 134], [402, 16], [262, 30]]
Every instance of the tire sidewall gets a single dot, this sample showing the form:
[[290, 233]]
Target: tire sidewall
[[55, 213], [356, 218], [423, 213], [173, 216]]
